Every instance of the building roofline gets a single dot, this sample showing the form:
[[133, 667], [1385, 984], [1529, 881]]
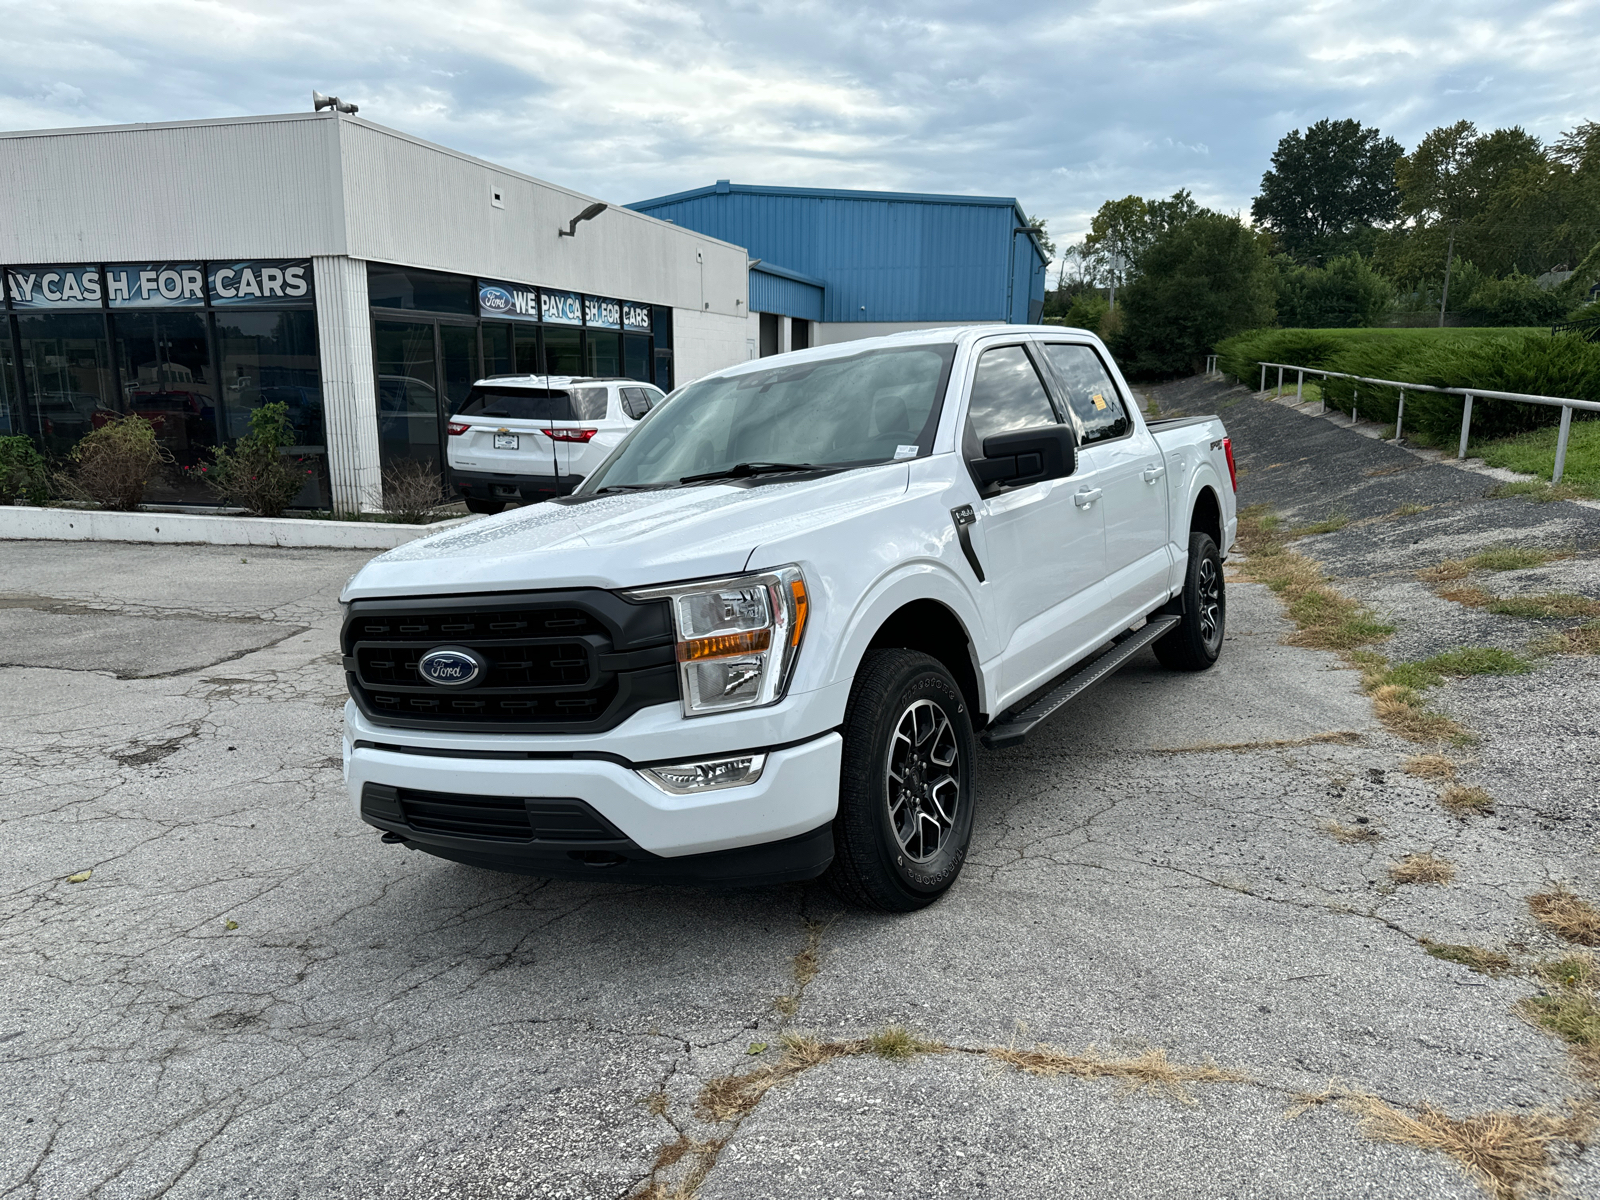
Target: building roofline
[[766, 268], [753, 189], [331, 115]]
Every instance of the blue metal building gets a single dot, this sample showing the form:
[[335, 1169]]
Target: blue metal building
[[902, 258]]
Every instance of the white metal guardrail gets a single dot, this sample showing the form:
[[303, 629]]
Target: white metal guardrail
[[1566, 405]]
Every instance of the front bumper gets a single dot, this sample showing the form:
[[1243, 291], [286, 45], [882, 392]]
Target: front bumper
[[797, 793]]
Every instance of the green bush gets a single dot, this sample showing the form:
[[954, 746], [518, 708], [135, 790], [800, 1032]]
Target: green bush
[[1515, 300], [1347, 292], [22, 472], [255, 474], [1504, 360], [114, 464]]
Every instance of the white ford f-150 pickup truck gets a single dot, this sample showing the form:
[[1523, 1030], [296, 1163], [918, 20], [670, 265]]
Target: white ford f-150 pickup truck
[[759, 642]]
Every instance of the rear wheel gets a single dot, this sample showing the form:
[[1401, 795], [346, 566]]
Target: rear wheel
[[1197, 641], [489, 507], [905, 787]]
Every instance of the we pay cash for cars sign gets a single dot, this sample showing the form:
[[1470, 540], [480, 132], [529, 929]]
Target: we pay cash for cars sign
[[161, 285]]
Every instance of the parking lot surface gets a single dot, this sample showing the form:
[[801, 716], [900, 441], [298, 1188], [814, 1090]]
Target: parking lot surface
[[250, 996]]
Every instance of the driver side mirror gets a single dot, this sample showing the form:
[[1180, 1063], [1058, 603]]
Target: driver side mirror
[[1026, 456]]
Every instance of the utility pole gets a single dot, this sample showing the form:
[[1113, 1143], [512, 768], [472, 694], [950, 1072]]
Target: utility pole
[[1448, 255]]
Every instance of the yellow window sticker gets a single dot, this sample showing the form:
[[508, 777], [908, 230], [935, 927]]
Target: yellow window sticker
[[1099, 402]]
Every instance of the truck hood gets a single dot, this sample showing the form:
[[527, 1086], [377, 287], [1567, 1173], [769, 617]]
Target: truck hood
[[627, 539]]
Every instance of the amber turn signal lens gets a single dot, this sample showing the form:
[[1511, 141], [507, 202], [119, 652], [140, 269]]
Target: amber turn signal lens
[[724, 645], [797, 589]]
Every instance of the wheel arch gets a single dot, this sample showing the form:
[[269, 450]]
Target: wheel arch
[[1205, 514], [933, 628]]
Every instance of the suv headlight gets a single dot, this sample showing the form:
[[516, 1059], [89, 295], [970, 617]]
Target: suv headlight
[[738, 638]]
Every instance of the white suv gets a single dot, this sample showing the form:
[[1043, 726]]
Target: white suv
[[529, 437]]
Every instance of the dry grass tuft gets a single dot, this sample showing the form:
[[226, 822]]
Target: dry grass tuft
[[1583, 639], [1472, 597], [1567, 916], [1510, 1154], [1401, 709], [1422, 868], [1485, 962], [1409, 509], [1467, 801], [1326, 619], [1332, 523], [807, 962], [1429, 766], [898, 1044], [1151, 1071], [1514, 558], [1349, 836], [1448, 571]]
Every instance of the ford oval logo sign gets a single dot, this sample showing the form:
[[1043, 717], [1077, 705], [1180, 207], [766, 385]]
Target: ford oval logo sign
[[495, 299], [451, 666]]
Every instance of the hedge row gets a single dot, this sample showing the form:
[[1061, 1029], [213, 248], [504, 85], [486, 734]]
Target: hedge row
[[1502, 360]]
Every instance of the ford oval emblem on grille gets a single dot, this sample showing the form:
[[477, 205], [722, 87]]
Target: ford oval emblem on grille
[[451, 666]]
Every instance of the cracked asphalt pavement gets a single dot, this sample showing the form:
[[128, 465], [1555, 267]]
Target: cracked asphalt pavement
[[250, 996]]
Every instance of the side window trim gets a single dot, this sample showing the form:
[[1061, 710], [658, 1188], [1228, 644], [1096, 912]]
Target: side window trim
[[1122, 398]]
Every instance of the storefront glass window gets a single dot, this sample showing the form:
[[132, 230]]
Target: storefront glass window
[[499, 356], [408, 398], [164, 359], [271, 357], [459, 345], [563, 351], [10, 414], [528, 362], [636, 356], [66, 369], [605, 354], [428, 291]]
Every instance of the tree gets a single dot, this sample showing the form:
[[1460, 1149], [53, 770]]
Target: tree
[[1327, 185], [1122, 229], [1041, 234], [1199, 282]]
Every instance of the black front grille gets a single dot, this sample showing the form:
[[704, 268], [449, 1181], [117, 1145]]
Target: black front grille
[[576, 661], [495, 818]]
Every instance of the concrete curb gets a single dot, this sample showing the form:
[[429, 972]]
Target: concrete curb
[[19, 523]]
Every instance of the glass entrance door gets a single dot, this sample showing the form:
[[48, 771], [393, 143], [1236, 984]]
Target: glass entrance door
[[408, 392]]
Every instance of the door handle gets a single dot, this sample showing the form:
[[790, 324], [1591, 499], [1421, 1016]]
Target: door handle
[[1153, 473], [1087, 496]]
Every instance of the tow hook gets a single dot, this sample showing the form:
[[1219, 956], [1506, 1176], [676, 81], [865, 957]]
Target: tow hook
[[394, 839]]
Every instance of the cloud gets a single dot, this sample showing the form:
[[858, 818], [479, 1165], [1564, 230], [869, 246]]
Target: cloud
[[1060, 104]]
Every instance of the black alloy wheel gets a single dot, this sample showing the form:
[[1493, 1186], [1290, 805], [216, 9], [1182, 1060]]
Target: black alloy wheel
[[1196, 642], [905, 786]]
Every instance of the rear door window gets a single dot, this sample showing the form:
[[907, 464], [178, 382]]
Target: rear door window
[[589, 403], [1089, 392], [634, 402]]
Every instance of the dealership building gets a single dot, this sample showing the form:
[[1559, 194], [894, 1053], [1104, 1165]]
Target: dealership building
[[193, 271]]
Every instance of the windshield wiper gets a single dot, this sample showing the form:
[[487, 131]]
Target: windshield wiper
[[746, 469], [631, 487]]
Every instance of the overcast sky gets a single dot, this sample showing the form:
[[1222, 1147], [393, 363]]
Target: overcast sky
[[1062, 105]]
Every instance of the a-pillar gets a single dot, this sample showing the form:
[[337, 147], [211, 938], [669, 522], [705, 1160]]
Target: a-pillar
[[349, 387]]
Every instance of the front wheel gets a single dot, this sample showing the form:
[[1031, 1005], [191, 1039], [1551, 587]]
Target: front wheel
[[1197, 641], [905, 787]]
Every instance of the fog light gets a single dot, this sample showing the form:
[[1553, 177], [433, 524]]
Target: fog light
[[709, 775]]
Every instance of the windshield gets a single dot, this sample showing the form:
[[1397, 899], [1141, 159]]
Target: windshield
[[536, 404], [871, 407]]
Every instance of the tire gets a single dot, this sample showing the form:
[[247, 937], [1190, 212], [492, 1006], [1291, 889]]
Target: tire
[[1197, 641], [905, 785], [487, 507]]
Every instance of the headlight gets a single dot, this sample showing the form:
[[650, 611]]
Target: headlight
[[738, 638]]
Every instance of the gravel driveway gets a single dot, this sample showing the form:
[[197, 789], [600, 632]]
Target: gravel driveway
[[252, 997]]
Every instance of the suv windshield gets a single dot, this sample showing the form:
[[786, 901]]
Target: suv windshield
[[536, 404], [871, 407]]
